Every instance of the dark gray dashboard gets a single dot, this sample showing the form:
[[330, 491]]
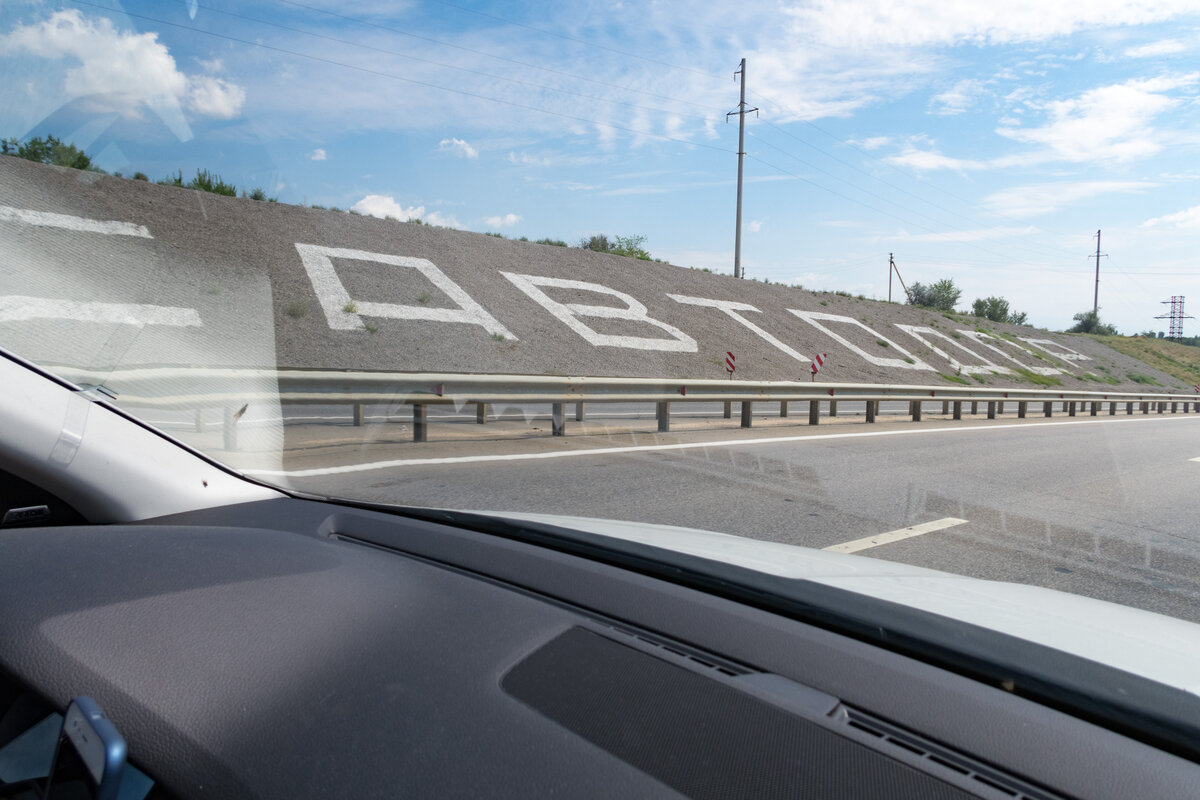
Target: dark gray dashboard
[[293, 648]]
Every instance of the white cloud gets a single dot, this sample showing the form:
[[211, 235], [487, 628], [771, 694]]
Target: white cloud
[[458, 147], [873, 142], [1186, 219], [754, 226], [977, 235], [383, 206], [929, 159], [119, 71], [507, 221], [1110, 123], [872, 23], [1163, 47], [318, 155], [958, 98], [1044, 198], [215, 97]]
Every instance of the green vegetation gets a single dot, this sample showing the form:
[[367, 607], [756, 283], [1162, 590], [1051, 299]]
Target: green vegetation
[[1137, 377], [372, 329], [996, 309], [296, 308], [499, 337], [50, 150], [955, 379], [1089, 322], [1177, 360], [495, 234], [1040, 380], [881, 343], [628, 246], [350, 307], [552, 242], [941, 295], [424, 298]]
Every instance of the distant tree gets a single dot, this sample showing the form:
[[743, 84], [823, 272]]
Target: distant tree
[[941, 295], [598, 243], [1089, 322], [140, 176], [50, 150], [996, 309]]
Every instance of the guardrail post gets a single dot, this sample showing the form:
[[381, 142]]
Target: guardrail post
[[945, 407], [1071, 409], [1172, 407], [481, 413], [662, 410], [916, 410], [1161, 406], [1048, 407], [833, 408], [580, 411], [231, 442], [420, 423], [870, 411], [1112, 409], [358, 415], [747, 410], [1146, 407], [958, 409], [1095, 406], [783, 409], [974, 407], [1000, 407], [1129, 408], [814, 412], [558, 422], [728, 409], [1022, 408], [991, 409]]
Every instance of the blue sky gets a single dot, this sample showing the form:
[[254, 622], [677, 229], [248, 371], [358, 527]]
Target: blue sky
[[981, 142]]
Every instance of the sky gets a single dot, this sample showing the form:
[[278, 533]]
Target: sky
[[986, 143]]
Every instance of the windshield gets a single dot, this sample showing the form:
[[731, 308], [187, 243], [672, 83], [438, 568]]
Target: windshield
[[899, 280]]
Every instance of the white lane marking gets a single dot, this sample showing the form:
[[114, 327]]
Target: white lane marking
[[604, 451], [1194, 459], [895, 536], [21, 308], [46, 219]]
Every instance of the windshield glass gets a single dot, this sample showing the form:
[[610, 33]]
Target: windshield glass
[[900, 280]]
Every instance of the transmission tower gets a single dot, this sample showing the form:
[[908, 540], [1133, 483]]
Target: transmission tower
[[1176, 316]]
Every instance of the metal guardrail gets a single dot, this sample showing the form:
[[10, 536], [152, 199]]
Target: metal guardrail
[[195, 388]]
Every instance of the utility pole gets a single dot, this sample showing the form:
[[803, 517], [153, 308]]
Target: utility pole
[[893, 268], [1096, 296], [741, 112]]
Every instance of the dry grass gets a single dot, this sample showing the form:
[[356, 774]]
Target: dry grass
[[1179, 360]]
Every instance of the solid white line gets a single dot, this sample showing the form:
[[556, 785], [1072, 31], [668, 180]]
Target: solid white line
[[19, 308], [604, 451], [895, 536], [46, 219], [1194, 459]]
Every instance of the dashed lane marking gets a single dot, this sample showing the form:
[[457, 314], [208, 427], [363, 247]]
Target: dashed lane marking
[[895, 536]]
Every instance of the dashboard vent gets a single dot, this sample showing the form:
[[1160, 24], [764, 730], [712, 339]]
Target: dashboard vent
[[933, 756]]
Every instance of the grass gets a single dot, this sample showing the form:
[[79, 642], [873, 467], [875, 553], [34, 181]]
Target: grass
[[881, 343], [350, 307], [824, 302], [956, 379], [369, 328], [424, 298], [1177, 360], [296, 308], [1040, 380], [1139, 378], [499, 337]]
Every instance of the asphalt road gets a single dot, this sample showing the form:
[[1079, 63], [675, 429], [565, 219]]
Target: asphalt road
[[1105, 507]]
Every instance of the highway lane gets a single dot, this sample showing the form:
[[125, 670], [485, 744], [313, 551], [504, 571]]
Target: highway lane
[[1103, 507]]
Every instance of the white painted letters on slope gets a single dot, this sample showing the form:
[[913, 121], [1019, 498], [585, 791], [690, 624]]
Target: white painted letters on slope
[[335, 300], [569, 314]]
